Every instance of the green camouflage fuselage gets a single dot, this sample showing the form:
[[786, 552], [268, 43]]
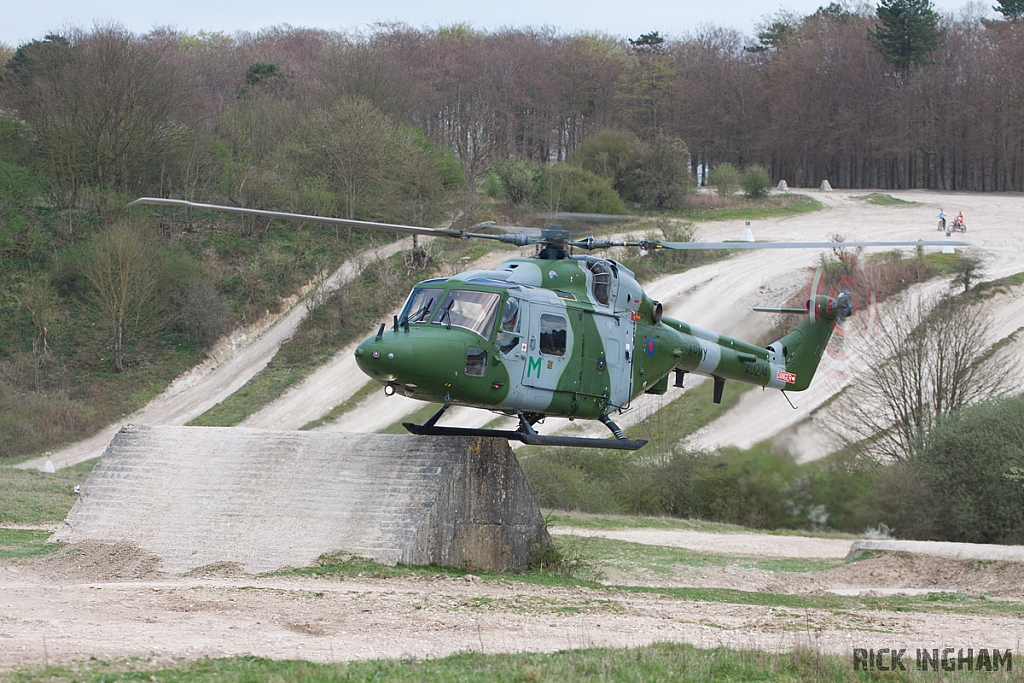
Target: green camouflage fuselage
[[573, 337]]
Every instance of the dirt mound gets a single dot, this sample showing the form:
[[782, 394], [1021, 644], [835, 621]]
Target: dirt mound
[[218, 570], [878, 571], [905, 570], [91, 561]]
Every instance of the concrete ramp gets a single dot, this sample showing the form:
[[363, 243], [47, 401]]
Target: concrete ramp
[[264, 499]]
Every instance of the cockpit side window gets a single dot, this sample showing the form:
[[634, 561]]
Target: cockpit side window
[[470, 310], [508, 337], [421, 305], [602, 281], [553, 336]]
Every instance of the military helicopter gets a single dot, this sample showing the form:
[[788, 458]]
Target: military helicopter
[[567, 335]]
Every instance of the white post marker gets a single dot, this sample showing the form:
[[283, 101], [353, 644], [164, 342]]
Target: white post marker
[[748, 235], [948, 250], [48, 467]]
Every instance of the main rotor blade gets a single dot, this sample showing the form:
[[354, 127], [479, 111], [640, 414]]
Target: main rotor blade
[[773, 309], [587, 217], [517, 239], [798, 245]]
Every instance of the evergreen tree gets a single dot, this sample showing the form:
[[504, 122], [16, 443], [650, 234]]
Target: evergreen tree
[[908, 31], [1012, 10]]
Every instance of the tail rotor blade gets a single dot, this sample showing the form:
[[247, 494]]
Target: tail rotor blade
[[815, 285]]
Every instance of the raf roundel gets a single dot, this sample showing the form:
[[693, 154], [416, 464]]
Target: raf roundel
[[650, 346]]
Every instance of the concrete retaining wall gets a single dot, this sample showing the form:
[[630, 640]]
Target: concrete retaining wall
[[196, 496]]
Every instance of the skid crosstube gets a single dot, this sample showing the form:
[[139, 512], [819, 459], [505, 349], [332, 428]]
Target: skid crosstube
[[531, 439]]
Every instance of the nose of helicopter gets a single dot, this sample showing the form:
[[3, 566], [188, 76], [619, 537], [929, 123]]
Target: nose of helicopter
[[382, 357]]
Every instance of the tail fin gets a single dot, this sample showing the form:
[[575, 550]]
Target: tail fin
[[801, 349]]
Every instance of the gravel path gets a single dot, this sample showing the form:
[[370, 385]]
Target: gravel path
[[112, 602]]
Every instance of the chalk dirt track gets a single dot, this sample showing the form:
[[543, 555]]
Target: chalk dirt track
[[112, 602]]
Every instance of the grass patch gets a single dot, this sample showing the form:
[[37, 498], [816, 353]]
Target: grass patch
[[33, 497], [657, 662], [934, 603], [663, 560], [879, 199], [988, 289], [344, 566], [716, 208], [583, 520], [941, 265], [48, 417], [16, 543]]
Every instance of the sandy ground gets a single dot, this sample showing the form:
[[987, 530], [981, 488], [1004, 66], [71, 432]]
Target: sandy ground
[[113, 602]]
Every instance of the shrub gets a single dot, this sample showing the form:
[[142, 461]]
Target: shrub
[[663, 172], [566, 188], [973, 464], [515, 178], [612, 156], [905, 502], [557, 481], [760, 487], [757, 488], [756, 182], [725, 178], [199, 310], [657, 262]]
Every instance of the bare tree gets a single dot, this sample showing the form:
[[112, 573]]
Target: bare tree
[[354, 146], [39, 298], [923, 363], [122, 269], [105, 107]]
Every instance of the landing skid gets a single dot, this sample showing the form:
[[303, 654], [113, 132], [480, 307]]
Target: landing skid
[[527, 434]]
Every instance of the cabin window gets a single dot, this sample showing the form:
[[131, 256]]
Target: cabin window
[[552, 334], [421, 305], [474, 311], [602, 281], [476, 362], [508, 337]]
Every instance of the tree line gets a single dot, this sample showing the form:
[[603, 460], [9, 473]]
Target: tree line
[[892, 97]]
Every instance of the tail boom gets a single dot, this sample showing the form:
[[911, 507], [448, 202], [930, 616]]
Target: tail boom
[[788, 364]]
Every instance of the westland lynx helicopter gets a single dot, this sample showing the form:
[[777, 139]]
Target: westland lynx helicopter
[[566, 335]]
